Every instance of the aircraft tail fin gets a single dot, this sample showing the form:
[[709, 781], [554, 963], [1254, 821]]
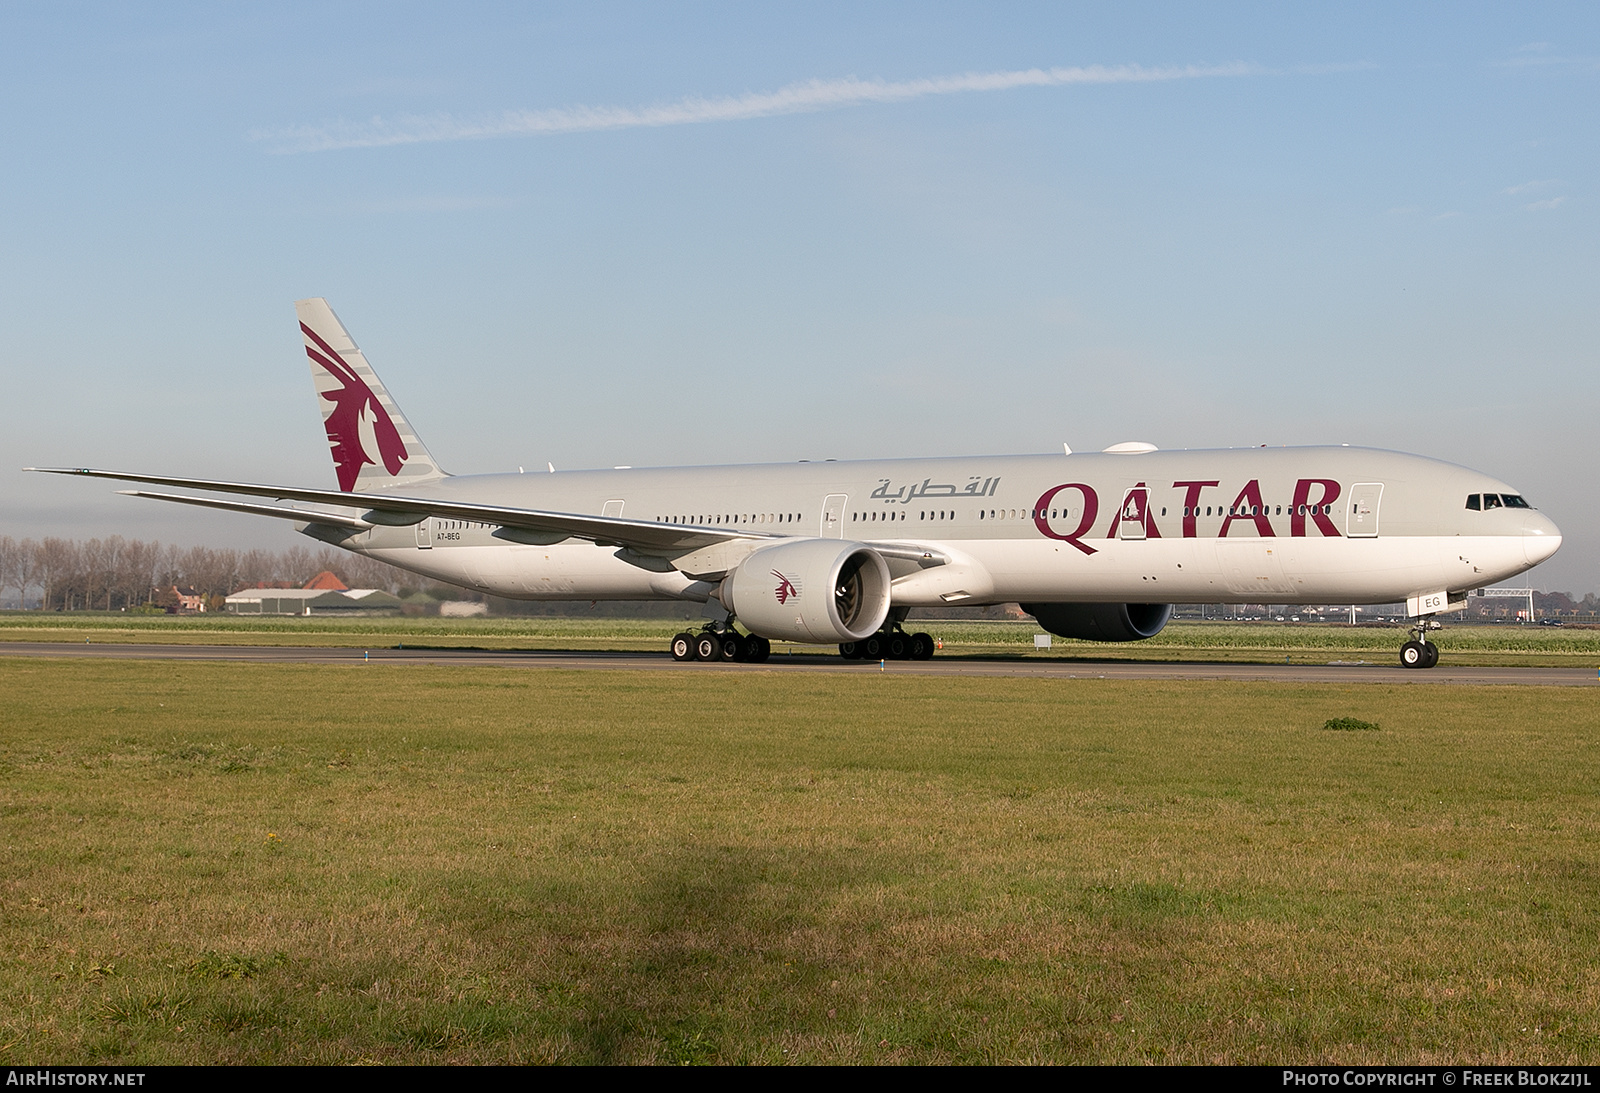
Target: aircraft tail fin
[[373, 445]]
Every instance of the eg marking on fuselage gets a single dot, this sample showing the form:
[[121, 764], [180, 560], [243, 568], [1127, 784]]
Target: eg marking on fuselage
[[1094, 545]]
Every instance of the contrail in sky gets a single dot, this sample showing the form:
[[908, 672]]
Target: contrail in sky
[[797, 98]]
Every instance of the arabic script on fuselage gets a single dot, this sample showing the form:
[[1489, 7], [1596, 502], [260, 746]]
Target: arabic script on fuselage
[[977, 486]]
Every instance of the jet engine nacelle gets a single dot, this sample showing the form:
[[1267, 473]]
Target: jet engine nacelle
[[1102, 621], [812, 590]]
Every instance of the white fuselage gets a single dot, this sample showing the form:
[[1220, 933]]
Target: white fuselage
[[1256, 525]]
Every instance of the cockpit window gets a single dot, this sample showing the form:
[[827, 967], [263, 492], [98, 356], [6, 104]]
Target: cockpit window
[[1477, 502]]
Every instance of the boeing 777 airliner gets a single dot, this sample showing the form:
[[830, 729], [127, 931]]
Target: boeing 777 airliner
[[1094, 545]]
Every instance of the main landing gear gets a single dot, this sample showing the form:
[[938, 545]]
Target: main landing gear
[[892, 644], [726, 645], [1419, 652]]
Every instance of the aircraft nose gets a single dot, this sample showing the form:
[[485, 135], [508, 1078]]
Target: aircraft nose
[[1540, 538]]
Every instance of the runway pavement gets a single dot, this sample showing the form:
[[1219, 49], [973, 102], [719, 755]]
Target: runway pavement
[[1061, 668]]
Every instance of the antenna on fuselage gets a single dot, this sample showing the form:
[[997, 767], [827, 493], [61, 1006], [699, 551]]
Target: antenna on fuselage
[[1066, 448]]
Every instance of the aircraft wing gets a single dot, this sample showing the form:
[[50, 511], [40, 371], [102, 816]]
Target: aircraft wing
[[388, 509]]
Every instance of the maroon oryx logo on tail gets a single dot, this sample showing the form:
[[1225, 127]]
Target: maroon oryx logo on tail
[[354, 405], [786, 589]]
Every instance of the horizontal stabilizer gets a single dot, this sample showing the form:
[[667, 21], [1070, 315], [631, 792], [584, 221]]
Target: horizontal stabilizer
[[302, 515]]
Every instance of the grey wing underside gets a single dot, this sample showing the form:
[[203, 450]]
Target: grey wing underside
[[388, 510]]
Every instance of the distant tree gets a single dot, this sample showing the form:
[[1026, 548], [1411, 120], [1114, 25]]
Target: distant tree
[[111, 552], [27, 569], [1554, 603], [53, 559], [9, 553], [133, 573]]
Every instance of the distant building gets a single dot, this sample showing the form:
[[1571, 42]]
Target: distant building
[[189, 602], [325, 595]]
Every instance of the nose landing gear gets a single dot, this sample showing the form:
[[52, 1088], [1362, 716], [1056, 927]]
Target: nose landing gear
[[1419, 652]]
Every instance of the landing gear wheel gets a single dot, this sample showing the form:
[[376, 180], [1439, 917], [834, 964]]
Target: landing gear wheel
[[1431, 656], [871, 648], [850, 650], [683, 647], [757, 649], [921, 647], [1414, 654], [707, 646], [732, 647], [897, 646]]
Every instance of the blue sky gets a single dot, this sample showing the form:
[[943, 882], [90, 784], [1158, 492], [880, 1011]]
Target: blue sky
[[645, 234]]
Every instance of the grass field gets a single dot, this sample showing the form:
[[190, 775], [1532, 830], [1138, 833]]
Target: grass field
[[246, 863], [1181, 641]]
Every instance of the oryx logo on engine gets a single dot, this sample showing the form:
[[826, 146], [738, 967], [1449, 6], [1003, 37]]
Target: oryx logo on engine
[[787, 589]]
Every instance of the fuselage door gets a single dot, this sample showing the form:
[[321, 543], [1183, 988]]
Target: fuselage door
[[833, 515], [1131, 522], [1361, 522], [425, 534]]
